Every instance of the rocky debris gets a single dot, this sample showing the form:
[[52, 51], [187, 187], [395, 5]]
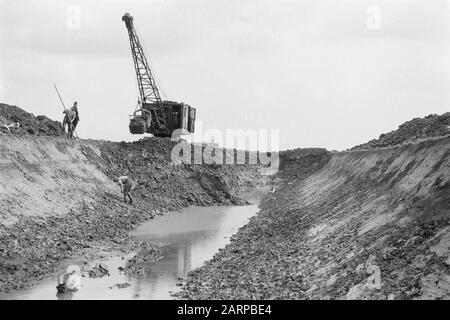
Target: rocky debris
[[98, 271], [432, 125], [138, 265], [28, 124], [299, 163], [120, 285], [33, 247], [181, 281], [148, 162]]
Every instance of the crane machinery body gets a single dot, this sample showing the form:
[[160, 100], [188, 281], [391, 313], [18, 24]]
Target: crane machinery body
[[153, 115]]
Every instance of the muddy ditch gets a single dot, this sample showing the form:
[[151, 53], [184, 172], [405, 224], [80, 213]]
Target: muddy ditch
[[153, 263]]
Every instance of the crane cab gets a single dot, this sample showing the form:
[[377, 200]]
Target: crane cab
[[178, 116]]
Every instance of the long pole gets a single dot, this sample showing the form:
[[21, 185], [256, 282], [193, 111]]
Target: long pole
[[65, 109]]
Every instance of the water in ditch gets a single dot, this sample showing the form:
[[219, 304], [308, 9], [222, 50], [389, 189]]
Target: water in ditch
[[187, 239]]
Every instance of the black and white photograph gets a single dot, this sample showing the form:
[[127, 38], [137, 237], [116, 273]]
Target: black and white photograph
[[237, 152]]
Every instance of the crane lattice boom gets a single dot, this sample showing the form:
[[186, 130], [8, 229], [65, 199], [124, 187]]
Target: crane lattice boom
[[148, 90], [158, 117]]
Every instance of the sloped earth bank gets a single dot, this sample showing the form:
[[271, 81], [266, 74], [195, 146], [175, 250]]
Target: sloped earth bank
[[58, 200], [368, 224]]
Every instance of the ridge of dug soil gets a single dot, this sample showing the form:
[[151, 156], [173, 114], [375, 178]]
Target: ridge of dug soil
[[430, 126], [370, 224], [28, 123], [58, 199]]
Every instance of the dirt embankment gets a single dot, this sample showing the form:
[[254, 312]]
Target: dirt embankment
[[173, 186], [58, 199], [367, 224]]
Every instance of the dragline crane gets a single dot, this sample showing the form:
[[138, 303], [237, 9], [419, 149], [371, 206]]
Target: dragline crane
[[153, 115]]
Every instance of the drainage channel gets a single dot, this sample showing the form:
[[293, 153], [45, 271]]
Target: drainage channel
[[187, 239]]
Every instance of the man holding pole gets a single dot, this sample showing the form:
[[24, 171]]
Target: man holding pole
[[71, 118]]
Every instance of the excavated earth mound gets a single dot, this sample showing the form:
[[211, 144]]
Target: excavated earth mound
[[27, 122], [160, 180], [419, 128]]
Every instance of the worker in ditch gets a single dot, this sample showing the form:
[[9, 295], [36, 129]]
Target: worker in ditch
[[126, 185]]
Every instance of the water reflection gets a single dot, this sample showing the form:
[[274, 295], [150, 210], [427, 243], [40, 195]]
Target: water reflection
[[187, 239]]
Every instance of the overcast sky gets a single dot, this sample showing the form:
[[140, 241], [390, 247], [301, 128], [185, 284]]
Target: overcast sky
[[325, 73]]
